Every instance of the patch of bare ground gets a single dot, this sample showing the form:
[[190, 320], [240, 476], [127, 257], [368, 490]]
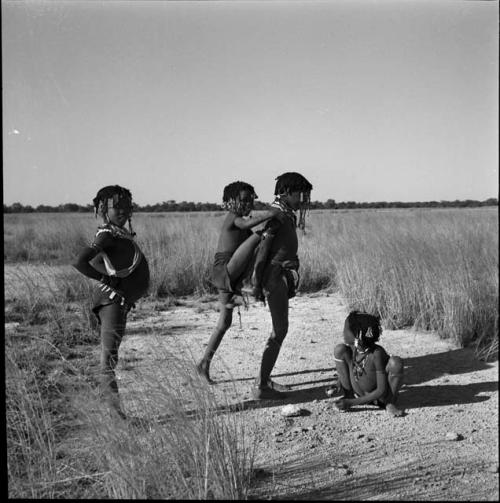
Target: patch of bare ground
[[445, 447]]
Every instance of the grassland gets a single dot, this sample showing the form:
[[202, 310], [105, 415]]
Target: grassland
[[432, 269]]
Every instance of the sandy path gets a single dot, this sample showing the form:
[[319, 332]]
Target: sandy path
[[363, 454]]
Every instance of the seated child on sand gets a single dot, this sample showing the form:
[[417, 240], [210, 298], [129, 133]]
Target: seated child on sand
[[367, 374]]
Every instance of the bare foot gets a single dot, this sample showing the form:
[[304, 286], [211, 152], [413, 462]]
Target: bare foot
[[202, 371], [336, 389], [267, 393], [394, 411], [278, 387]]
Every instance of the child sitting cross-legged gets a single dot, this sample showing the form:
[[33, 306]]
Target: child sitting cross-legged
[[367, 374]]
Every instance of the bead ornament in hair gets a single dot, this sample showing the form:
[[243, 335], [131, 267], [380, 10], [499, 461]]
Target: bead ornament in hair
[[231, 197], [293, 182], [113, 196], [365, 327]]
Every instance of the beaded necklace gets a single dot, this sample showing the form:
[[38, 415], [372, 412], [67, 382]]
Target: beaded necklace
[[285, 208], [116, 231], [359, 365], [120, 232]]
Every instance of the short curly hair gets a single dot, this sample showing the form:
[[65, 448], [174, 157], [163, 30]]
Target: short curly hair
[[232, 191]]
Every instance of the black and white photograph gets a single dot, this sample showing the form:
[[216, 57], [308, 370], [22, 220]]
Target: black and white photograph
[[250, 249]]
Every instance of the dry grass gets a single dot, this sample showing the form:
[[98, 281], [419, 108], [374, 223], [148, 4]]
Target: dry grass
[[434, 269], [187, 453], [51, 378], [201, 455]]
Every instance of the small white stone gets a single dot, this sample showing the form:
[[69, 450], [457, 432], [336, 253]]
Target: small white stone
[[291, 410]]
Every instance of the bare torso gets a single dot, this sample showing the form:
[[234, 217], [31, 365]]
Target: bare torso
[[366, 380], [285, 242], [231, 236]]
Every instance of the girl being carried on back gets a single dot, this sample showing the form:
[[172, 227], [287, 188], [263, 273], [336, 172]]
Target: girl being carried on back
[[115, 260], [235, 249]]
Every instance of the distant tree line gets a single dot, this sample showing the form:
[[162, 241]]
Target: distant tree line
[[329, 204]]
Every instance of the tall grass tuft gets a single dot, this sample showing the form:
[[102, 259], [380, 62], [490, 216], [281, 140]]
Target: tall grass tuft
[[39, 379], [434, 270], [188, 451], [40, 383], [195, 454], [191, 452], [31, 442], [180, 252]]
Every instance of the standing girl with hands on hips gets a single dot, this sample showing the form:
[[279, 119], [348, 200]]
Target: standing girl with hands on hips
[[116, 262]]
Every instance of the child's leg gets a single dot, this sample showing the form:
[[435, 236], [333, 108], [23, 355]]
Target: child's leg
[[113, 320], [342, 354], [395, 373], [223, 324], [239, 261], [278, 306]]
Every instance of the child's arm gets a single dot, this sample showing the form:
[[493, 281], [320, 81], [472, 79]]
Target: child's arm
[[248, 223], [83, 265]]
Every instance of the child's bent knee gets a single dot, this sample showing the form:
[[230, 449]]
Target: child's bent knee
[[340, 351], [395, 366]]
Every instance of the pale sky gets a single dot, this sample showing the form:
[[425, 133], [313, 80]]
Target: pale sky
[[370, 100]]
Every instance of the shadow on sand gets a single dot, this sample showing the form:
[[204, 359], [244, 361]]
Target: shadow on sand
[[425, 368], [417, 370], [358, 486], [413, 397], [298, 396], [331, 370]]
